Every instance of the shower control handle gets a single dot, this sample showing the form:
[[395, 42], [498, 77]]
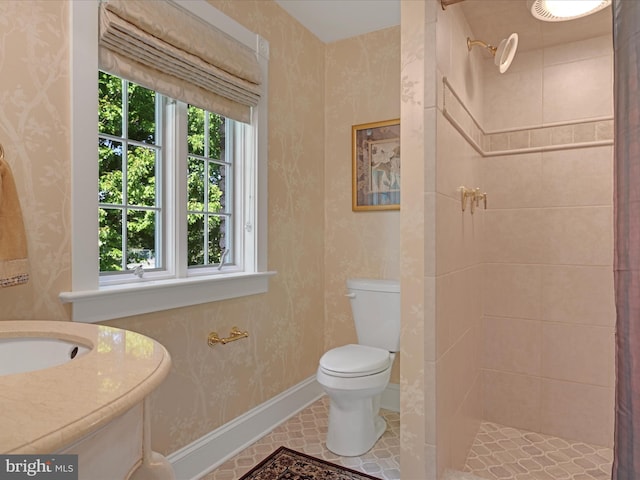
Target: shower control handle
[[350, 295]]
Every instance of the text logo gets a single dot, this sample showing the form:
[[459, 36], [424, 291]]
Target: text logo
[[39, 467]]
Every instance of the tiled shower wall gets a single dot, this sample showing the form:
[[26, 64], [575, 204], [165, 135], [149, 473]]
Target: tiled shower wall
[[440, 252], [548, 345]]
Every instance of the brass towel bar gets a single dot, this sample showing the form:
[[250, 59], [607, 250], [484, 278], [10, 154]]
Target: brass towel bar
[[236, 334]]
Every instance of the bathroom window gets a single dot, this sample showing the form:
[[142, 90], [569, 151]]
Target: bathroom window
[[134, 174], [180, 214]]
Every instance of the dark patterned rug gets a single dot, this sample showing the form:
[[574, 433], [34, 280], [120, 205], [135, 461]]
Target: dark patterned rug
[[286, 464]]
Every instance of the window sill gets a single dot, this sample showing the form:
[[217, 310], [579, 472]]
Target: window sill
[[107, 303]]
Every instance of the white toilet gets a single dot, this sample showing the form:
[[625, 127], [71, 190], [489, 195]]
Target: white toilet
[[354, 376]]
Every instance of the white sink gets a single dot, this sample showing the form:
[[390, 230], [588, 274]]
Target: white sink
[[27, 354]]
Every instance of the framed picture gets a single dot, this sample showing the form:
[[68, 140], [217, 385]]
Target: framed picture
[[376, 166]]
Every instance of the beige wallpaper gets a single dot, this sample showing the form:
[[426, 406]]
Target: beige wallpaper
[[209, 387], [361, 86], [34, 131]]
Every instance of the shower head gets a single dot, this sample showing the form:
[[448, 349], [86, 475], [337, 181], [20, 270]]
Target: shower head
[[503, 54]]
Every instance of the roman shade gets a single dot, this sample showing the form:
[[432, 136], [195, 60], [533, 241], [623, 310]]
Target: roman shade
[[161, 46]]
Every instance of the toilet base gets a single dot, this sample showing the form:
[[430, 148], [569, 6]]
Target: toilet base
[[354, 430]]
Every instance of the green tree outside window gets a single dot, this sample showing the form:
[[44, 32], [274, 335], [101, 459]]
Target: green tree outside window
[[130, 202]]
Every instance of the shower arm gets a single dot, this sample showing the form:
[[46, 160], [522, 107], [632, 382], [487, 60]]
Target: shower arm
[[445, 3], [473, 43]]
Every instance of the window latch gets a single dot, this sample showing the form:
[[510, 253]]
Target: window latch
[[224, 254], [138, 271]]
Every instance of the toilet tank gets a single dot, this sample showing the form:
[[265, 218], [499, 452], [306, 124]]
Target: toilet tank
[[376, 312]]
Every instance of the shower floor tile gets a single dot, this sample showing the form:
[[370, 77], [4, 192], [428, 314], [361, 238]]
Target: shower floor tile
[[505, 453], [305, 432]]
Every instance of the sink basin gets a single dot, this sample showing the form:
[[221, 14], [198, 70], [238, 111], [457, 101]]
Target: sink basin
[[27, 354]]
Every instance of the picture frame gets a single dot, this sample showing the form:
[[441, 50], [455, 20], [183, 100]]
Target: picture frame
[[376, 166]]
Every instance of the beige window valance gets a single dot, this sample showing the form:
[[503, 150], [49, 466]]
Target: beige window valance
[[162, 47]]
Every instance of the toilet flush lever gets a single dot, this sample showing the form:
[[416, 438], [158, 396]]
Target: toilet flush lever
[[350, 295]]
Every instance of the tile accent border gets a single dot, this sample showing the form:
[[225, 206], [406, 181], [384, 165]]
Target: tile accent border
[[584, 133]]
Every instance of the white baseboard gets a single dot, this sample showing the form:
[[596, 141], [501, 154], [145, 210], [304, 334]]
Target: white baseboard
[[210, 451], [216, 447]]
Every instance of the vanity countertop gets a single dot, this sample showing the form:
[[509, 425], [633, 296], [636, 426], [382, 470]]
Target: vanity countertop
[[45, 410]]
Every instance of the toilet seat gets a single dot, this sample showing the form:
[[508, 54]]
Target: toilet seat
[[355, 361]]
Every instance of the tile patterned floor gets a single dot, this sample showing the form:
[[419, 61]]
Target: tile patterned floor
[[305, 432], [505, 453], [498, 452]]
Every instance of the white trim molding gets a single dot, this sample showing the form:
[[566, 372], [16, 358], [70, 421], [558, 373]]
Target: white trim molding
[[116, 301], [213, 449]]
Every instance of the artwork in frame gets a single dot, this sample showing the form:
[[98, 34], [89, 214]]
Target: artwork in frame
[[376, 166]]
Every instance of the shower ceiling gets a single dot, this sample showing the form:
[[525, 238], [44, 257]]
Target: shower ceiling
[[495, 19]]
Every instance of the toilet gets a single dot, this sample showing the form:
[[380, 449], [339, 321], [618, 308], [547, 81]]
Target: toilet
[[354, 376]]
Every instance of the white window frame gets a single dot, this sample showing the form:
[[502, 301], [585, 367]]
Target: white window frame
[[93, 302]]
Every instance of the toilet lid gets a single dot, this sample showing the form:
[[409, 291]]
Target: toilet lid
[[355, 360]]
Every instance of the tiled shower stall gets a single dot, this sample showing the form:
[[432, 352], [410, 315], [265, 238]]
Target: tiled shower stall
[[514, 303]]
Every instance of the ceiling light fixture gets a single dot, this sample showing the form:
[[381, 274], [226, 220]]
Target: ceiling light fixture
[[562, 10]]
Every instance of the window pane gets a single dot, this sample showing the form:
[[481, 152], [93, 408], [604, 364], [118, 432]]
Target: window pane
[[141, 238], [216, 239], [142, 114], [110, 171], [216, 136], [129, 172], [195, 184], [141, 176], [195, 239], [110, 239], [217, 174], [195, 130], [207, 188], [109, 104]]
